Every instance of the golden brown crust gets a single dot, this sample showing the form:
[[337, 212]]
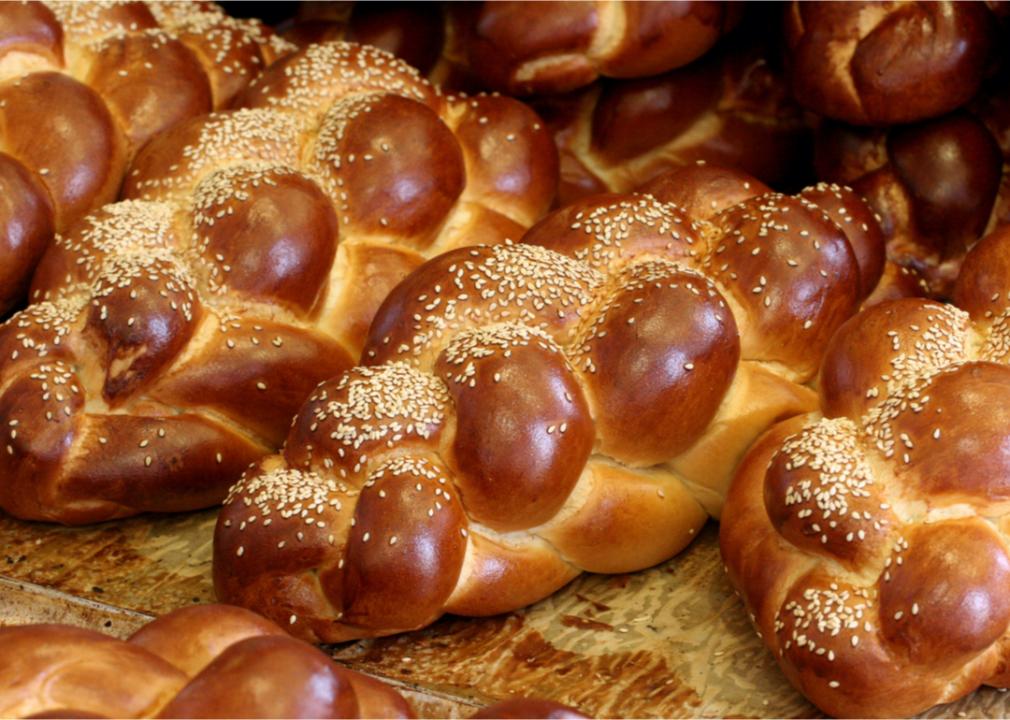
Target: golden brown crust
[[514, 415], [560, 46], [981, 286], [26, 225], [84, 85], [255, 678], [65, 667], [201, 661], [887, 63], [95, 376], [85, 169], [933, 185], [260, 246], [149, 82], [868, 543], [731, 108]]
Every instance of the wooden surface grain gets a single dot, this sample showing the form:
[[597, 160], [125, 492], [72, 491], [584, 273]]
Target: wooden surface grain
[[672, 641]]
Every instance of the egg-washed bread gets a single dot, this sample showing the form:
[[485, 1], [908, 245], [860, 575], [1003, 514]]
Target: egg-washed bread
[[555, 47], [200, 661], [869, 541], [886, 63], [526, 412], [83, 86], [936, 185], [732, 107], [175, 334]]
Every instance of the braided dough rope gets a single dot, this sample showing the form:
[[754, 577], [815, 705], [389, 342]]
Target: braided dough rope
[[82, 86], [410, 172], [870, 544], [732, 107], [557, 47], [200, 661], [176, 335], [885, 63], [531, 413], [938, 185]]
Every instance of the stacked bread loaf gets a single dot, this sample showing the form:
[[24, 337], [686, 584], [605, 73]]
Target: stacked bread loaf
[[513, 425], [912, 124], [82, 86], [523, 49], [870, 541], [174, 334]]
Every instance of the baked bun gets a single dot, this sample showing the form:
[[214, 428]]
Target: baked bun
[[869, 542], [933, 185], [511, 427], [884, 63], [185, 329], [82, 86], [730, 108], [200, 661], [554, 47]]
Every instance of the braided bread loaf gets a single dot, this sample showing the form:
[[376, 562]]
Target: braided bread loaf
[[553, 47], [884, 63], [82, 86], [870, 543], [176, 336], [413, 31], [200, 661], [513, 426], [937, 186], [732, 108]]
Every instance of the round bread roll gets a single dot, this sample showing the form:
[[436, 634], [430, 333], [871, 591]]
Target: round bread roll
[[175, 334], [884, 63], [200, 661], [512, 425], [869, 541], [82, 86]]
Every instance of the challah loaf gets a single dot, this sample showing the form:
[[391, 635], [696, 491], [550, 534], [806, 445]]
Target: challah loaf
[[200, 661], [937, 186], [409, 173], [704, 190], [413, 31], [870, 543], [174, 337], [82, 85], [730, 108], [553, 47], [883, 63], [513, 425]]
